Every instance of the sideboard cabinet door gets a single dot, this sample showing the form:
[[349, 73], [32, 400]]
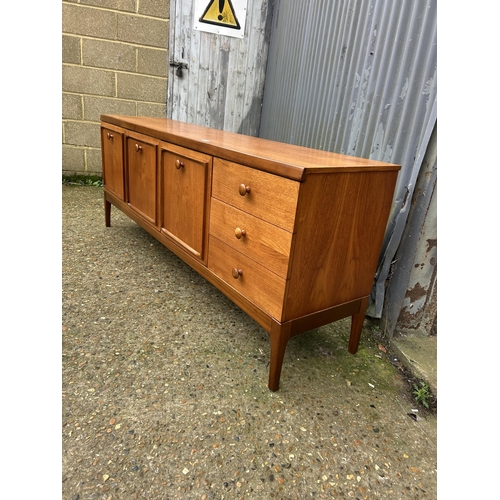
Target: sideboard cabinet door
[[185, 194], [142, 177], [112, 160]]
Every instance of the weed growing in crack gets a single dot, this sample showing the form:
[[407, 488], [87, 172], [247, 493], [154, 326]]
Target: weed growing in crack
[[422, 394]]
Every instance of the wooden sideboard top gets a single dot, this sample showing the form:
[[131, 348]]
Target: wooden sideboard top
[[287, 160]]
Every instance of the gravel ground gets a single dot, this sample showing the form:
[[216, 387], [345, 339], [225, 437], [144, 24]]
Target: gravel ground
[[164, 387]]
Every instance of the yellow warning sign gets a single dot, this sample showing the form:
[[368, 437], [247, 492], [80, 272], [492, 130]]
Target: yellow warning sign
[[220, 13]]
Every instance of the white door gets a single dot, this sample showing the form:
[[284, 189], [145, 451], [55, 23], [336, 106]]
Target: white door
[[217, 71]]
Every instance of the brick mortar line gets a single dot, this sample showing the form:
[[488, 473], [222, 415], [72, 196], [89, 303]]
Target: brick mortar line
[[123, 12], [74, 146], [68, 120], [126, 99], [82, 101], [116, 71], [86, 37]]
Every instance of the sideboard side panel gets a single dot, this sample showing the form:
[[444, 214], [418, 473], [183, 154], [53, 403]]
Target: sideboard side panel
[[340, 225]]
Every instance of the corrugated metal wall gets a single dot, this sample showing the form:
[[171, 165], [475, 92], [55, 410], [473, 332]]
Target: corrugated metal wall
[[223, 84], [356, 77]]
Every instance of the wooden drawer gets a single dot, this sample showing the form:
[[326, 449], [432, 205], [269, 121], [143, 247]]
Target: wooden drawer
[[266, 244], [268, 197], [259, 285]]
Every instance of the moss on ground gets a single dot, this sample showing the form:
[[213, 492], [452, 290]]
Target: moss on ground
[[82, 180]]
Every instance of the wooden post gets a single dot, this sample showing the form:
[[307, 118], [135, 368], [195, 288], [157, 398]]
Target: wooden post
[[107, 212], [357, 325], [280, 333]]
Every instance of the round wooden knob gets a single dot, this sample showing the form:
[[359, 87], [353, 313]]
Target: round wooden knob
[[138, 148], [237, 273], [179, 164], [110, 136], [243, 190], [239, 232]]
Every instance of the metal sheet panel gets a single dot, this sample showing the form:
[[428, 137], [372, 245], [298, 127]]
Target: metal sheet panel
[[356, 77], [411, 297], [220, 83]]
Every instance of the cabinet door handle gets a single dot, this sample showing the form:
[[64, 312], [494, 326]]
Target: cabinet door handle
[[243, 190], [110, 136], [239, 232], [179, 164], [138, 148], [236, 273]]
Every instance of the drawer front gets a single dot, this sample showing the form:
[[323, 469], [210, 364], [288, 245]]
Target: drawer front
[[266, 244], [259, 285], [266, 196]]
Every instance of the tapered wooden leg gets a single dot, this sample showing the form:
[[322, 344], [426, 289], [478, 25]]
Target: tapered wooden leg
[[356, 326], [280, 333], [107, 212]]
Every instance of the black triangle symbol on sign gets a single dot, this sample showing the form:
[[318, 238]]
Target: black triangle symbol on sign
[[220, 13]]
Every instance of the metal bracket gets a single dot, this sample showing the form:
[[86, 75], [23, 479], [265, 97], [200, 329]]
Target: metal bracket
[[180, 66]]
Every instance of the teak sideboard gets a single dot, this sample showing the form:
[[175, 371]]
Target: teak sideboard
[[291, 235]]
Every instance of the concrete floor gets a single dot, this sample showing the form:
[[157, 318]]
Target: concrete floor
[[165, 396]]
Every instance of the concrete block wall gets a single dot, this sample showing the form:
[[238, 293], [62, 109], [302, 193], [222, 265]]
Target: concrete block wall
[[114, 60]]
